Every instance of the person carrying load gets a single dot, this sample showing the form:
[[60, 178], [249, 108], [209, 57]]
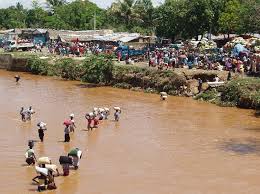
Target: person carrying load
[[42, 178], [90, 120], [52, 168], [163, 95], [67, 124], [30, 112], [42, 128], [76, 155], [65, 162], [117, 113], [30, 156], [72, 125], [106, 113]]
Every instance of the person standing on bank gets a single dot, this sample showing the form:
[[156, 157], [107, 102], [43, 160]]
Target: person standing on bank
[[200, 85]]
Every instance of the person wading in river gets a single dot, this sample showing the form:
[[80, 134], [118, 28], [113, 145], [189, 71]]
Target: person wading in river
[[67, 133], [17, 78], [22, 113], [42, 128], [72, 125], [30, 156]]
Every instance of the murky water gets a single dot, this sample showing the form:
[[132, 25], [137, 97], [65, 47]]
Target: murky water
[[179, 146]]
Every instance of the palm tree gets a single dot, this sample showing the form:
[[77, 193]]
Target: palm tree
[[51, 4], [125, 10]]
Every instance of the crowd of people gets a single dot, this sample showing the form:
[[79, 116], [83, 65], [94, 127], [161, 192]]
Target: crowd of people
[[217, 59], [46, 170], [78, 49]]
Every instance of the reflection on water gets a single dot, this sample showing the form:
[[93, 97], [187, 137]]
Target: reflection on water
[[247, 146], [178, 146]]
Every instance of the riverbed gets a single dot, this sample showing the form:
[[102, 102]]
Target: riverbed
[[177, 146]]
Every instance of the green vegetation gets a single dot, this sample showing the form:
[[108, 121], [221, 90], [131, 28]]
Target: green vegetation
[[172, 19], [242, 92], [101, 70]]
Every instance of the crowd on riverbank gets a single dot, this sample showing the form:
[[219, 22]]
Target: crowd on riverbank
[[238, 59]]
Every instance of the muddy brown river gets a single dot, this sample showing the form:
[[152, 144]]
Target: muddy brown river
[[178, 146]]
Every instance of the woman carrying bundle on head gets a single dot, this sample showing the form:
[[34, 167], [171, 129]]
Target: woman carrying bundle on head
[[117, 113], [90, 120], [42, 128], [163, 95], [67, 124]]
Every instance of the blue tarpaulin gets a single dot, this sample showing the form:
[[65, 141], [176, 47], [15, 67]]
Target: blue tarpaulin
[[238, 49]]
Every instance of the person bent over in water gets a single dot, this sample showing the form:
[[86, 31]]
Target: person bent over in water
[[30, 156], [51, 183], [76, 155]]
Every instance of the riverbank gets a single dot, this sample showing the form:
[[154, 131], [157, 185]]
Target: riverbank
[[102, 71]]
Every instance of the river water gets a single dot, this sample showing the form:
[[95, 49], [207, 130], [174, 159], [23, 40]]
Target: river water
[[159, 147]]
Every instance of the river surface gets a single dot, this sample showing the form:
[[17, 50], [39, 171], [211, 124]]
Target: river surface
[[178, 146]]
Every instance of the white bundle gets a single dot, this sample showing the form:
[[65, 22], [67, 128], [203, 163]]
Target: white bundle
[[117, 108]]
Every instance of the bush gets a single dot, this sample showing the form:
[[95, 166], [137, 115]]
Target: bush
[[37, 66], [98, 69], [244, 93], [208, 95]]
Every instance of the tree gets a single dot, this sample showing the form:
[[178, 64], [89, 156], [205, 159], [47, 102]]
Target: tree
[[52, 4], [229, 20], [198, 18], [79, 15], [124, 11], [250, 17], [36, 16], [145, 10]]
